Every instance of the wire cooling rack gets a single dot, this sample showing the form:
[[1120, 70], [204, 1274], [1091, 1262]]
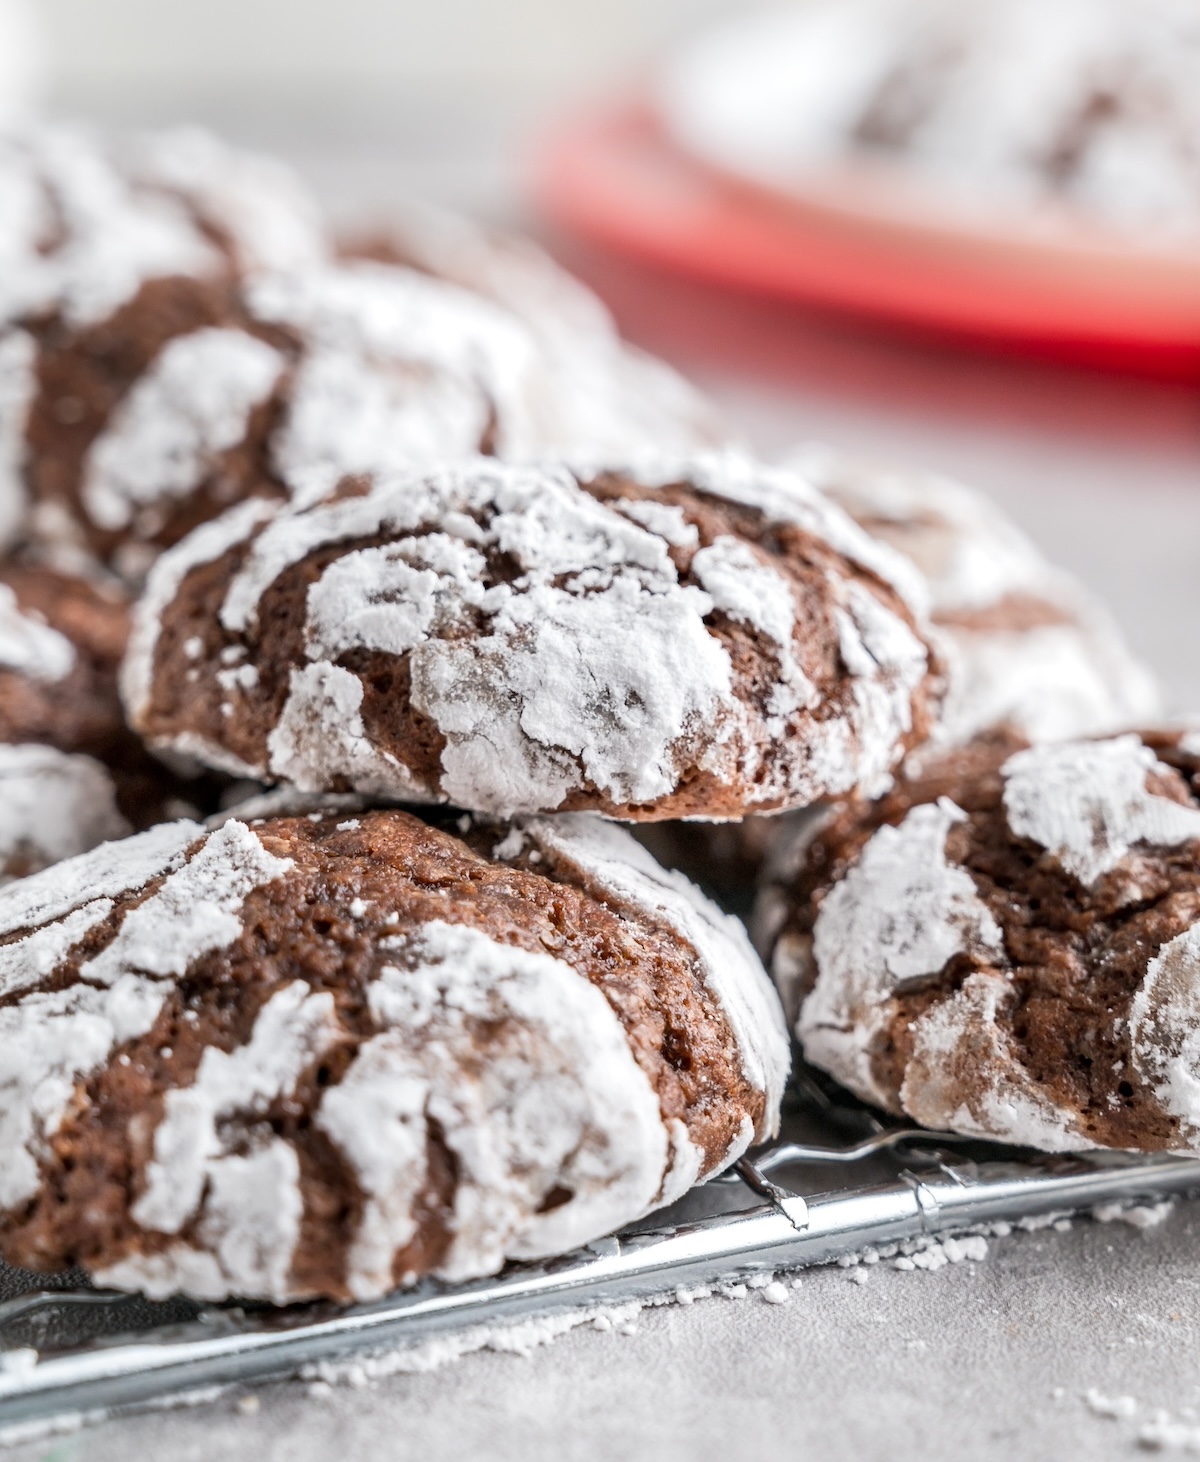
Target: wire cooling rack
[[839, 1180]]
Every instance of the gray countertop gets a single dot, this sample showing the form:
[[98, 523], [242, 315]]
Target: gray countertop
[[979, 1359]]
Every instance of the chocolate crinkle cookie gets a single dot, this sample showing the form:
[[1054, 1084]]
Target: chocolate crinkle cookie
[[1028, 646], [128, 369], [1009, 945], [327, 1054], [710, 637], [73, 773]]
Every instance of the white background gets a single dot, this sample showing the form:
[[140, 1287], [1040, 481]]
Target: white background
[[551, 47]]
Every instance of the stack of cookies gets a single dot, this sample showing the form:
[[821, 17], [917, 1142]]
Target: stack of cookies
[[355, 596]]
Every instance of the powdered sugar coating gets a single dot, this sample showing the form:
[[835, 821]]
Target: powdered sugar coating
[[88, 222], [587, 669], [1062, 1013], [52, 806], [514, 1059], [293, 1028], [112, 236], [51, 1039], [1164, 1029], [139, 236], [963, 1075], [900, 914], [164, 438], [1088, 804], [203, 545], [256, 203], [620, 870], [596, 392], [29, 645], [559, 1101], [783, 493], [1027, 646], [398, 369]]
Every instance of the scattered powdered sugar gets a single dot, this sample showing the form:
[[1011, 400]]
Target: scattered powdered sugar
[[52, 806], [1113, 1407], [1162, 1432], [29, 645], [900, 914], [559, 1103], [1088, 804], [522, 1338], [1139, 1216], [192, 403]]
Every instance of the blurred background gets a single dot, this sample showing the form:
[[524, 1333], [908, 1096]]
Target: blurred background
[[454, 100], [459, 85]]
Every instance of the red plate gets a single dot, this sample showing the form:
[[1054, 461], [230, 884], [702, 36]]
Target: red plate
[[846, 244]]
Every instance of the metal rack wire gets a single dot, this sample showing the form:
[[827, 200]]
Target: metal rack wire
[[836, 1182]]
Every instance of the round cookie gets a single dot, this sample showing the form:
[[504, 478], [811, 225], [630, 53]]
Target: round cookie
[[707, 637], [325, 1055], [1009, 945], [1028, 647], [121, 266], [608, 398]]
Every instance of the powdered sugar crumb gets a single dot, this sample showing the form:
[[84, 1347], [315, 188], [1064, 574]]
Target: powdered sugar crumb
[[1141, 1216]]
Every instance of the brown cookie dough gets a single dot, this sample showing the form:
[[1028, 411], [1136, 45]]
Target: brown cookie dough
[[323, 1055], [702, 637], [1009, 944]]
